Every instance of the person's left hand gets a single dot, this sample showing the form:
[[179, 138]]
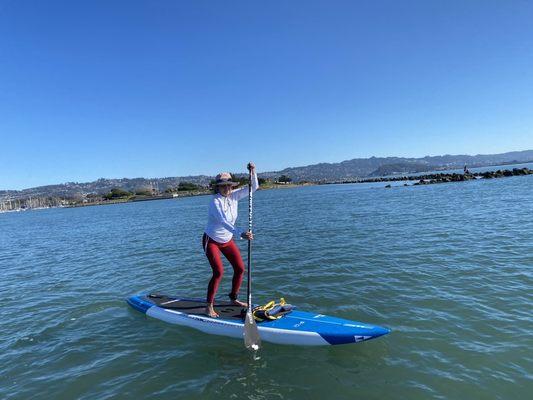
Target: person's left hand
[[247, 235], [251, 167]]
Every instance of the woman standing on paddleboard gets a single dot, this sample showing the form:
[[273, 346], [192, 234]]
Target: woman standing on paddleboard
[[218, 236]]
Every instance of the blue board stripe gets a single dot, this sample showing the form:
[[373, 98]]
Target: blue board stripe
[[139, 304], [338, 339]]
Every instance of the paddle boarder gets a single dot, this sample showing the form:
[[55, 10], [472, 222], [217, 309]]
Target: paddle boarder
[[219, 234]]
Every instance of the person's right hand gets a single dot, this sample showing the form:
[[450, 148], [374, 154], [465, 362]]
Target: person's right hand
[[247, 235]]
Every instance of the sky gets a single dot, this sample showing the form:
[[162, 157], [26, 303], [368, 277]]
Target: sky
[[156, 88]]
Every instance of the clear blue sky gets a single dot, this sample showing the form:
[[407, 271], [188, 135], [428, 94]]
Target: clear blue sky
[[113, 89]]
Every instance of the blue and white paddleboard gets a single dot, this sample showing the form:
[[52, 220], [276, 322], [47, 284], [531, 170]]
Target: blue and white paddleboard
[[297, 327]]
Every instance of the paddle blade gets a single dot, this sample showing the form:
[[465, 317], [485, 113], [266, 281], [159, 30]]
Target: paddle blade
[[252, 341]]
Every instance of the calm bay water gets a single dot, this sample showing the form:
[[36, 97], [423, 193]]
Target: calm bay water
[[447, 267]]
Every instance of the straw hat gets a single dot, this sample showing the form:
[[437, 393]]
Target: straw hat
[[224, 178]]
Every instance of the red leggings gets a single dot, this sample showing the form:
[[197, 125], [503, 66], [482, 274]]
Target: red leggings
[[230, 250]]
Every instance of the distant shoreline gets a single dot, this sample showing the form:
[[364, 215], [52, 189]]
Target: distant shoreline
[[184, 195], [136, 199], [421, 180]]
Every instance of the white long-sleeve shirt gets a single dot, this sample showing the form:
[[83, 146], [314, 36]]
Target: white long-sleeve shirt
[[223, 213]]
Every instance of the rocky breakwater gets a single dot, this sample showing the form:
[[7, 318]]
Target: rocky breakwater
[[444, 178]]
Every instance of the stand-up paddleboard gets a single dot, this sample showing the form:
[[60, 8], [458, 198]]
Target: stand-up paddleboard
[[297, 327]]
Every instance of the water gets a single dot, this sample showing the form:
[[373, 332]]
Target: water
[[448, 267]]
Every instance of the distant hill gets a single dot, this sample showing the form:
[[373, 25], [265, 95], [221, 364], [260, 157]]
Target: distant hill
[[102, 186], [323, 172], [366, 167], [400, 168]]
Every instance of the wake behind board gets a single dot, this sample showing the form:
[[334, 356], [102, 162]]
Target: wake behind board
[[296, 328]]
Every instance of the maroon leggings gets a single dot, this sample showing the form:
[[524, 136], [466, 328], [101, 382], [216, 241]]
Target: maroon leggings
[[230, 250]]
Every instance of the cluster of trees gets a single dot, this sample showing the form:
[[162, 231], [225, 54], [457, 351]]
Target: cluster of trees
[[117, 193], [187, 186], [284, 179], [184, 187], [144, 192]]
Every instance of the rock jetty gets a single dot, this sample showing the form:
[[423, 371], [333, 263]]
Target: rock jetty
[[444, 177]]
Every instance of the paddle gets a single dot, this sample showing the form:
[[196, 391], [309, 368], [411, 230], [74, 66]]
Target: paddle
[[252, 340]]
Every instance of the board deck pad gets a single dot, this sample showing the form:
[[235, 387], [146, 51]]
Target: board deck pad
[[188, 306]]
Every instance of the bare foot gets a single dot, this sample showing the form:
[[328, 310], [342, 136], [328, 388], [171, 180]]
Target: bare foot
[[239, 303], [210, 311]]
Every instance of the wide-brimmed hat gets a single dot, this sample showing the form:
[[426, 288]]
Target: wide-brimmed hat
[[224, 178]]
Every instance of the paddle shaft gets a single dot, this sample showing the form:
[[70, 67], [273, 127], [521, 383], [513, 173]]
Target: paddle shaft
[[250, 207], [252, 340]]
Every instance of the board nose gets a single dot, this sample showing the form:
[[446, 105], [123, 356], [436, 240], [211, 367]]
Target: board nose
[[379, 331]]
